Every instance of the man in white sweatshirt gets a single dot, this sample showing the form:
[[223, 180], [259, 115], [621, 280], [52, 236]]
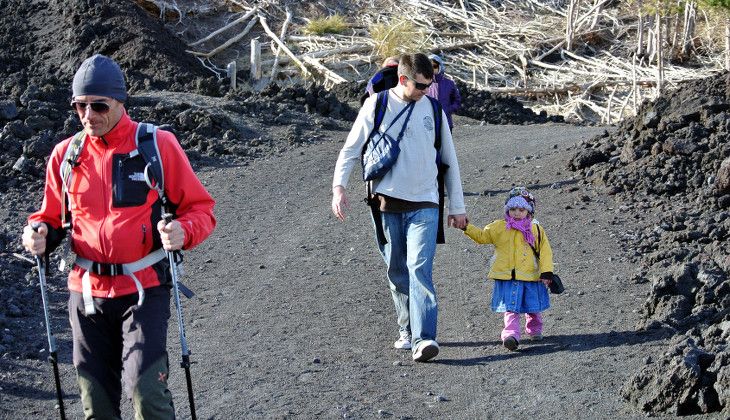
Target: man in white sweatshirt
[[407, 197]]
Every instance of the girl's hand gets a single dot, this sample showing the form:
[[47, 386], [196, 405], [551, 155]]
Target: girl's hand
[[546, 282]]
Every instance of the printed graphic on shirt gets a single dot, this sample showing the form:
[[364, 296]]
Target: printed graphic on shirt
[[428, 123]]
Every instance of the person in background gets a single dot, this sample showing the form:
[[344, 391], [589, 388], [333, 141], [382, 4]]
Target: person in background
[[385, 78], [522, 267], [119, 314], [444, 89]]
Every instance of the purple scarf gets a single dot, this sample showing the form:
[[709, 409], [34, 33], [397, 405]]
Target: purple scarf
[[524, 226]]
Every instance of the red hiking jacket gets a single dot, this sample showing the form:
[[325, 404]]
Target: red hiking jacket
[[113, 211]]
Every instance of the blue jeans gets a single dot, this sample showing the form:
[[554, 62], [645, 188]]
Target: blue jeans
[[409, 256]]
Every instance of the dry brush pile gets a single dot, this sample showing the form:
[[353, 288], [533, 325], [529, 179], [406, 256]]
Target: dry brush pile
[[583, 60]]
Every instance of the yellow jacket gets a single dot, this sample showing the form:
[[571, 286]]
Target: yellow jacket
[[512, 252]]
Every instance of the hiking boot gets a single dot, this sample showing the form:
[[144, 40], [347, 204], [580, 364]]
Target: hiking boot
[[404, 342], [426, 350], [535, 337], [511, 343]]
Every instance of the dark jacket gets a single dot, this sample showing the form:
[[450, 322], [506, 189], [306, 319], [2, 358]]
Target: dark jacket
[[447, 94], [383, 79]]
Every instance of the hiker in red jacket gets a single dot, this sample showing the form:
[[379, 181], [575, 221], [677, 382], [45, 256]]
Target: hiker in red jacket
[[119, 304]]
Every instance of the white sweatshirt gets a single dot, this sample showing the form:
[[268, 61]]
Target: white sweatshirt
[[413, 176]]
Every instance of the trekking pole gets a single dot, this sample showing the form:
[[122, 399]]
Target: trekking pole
[[52, 353], [185, 363]]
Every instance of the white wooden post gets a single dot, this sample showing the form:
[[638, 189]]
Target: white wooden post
[[255, 60], [231, 71], [727, 44]]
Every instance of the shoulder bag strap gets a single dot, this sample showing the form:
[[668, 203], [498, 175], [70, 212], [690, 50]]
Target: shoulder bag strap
[[539, 240]]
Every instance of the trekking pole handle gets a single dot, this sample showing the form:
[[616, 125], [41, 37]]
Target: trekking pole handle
[[42, 262], [167, 217]]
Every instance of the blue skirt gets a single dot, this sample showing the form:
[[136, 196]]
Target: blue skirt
[[520, 296]]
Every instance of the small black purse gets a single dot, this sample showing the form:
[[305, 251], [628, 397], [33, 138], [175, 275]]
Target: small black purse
[[556, 286]]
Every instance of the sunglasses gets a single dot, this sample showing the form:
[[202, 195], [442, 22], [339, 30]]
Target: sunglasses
[[436, 66], [420, 86], [98, 107]]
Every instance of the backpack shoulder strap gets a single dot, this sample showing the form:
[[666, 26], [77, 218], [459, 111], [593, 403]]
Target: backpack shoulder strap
[[146, 141], [70, 161], [437, 113], [441, 167], [381, 105]]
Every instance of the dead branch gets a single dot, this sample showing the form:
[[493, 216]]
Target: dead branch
[[225, 28], [228, 43], [329, 74], [283, 47], [284, 26]]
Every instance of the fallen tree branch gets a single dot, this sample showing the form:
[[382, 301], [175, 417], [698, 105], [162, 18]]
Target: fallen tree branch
[[283, 47], [223, 29], [227, 43], [329, 74], [284, 26]]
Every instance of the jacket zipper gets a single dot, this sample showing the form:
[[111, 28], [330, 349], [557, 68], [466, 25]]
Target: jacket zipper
[[120, 182], [144, 233], [102, 176]]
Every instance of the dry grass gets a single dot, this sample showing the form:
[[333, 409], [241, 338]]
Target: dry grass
[[397, 37], [334, 24]]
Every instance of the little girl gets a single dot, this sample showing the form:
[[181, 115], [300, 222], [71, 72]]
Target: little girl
[[522, 266]]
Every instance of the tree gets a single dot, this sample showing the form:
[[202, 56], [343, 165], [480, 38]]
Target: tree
[[723, 5]]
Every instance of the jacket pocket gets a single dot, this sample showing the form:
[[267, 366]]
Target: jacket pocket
[[129, 188]]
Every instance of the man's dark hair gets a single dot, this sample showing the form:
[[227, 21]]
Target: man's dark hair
[[412, 64]]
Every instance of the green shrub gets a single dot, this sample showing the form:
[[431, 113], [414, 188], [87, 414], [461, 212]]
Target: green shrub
[[334, 24], [396, 37]]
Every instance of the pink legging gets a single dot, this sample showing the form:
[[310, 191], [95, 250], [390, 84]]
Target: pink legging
[[533, 324]]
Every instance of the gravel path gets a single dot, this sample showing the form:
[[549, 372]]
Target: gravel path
[[293, 319]]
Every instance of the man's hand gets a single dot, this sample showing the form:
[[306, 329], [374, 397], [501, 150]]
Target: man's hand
[[35, 242], [339, 202], [458, 221], [172, 235]]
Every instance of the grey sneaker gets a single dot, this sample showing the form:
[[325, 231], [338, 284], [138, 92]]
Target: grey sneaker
[[426, 350], [511, 343], [535, 337]]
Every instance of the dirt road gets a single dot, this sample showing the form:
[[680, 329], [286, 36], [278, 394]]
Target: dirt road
[[293, 318]]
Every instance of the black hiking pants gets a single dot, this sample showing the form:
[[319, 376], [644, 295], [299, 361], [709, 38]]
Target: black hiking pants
[[123, 343]]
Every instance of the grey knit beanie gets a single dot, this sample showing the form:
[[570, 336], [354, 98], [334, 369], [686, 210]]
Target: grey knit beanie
[[99, 75]]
